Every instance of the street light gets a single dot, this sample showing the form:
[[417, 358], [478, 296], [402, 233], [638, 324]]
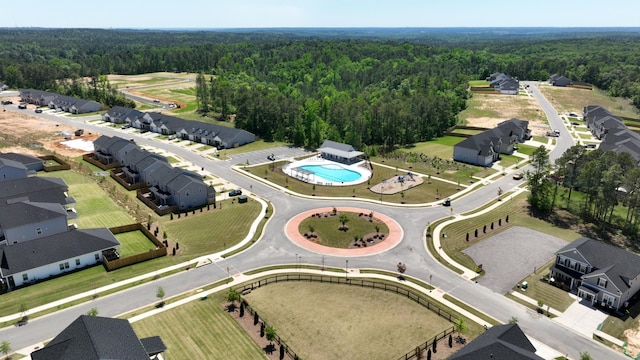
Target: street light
[[346, 273]]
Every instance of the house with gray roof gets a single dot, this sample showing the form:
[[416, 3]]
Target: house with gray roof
[[36, 189], [100, 338], [169, 186], [612, 131], [484, 149], [38, 259], [559, 80], [25, 221], [59, 102], [32, 163], [12, 170], [222, 137], [601, 274], [339, 152], [504, 83], [506, 342]]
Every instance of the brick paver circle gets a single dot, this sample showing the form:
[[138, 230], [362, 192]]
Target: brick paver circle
[[393, 239]]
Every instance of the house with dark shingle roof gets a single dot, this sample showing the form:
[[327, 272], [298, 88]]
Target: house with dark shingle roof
[[484, 149], [100, 338], [500, 342], [335, 151], [559, 80], [612, 131], [25, 221], [170, 186], [196, 131], [36, 189], [59, 102], [32, 163], [504, 83], [601, 274]]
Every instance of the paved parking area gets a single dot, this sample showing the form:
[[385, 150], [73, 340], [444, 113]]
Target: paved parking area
[[512, 255]]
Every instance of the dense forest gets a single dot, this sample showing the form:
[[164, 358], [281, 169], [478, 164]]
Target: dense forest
[[361, 87]]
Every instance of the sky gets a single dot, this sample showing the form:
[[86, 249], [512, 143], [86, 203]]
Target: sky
[[163, 14]]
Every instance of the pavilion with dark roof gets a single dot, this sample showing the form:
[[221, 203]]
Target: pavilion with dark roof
[[339, 152]]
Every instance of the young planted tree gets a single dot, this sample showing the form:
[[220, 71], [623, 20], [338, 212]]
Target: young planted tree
[[434, 345], [160, 295], [270, 333], [5, 347], [344, 219], [256, 318], [92, 312], [232, 296]]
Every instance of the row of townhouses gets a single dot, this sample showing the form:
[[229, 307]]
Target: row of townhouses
[[612, 131], [59, 102], [221, 137], [169, 186], [38, 233], [484, 149]]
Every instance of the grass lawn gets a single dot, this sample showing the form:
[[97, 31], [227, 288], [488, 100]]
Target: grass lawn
[[566, 100], [542, 291], [508, 160], [327, 228], [203, 233], [133, 242], [95, 207], [616, 326], [585, 136], [516, 208], [478, 83], [420, 194], [200, 330], [526, 149], [330, 321]]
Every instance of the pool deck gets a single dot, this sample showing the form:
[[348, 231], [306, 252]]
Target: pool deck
[[290, 170], [395, 234]]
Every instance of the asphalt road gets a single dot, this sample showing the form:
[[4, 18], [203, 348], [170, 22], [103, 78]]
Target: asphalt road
[[274, 248]]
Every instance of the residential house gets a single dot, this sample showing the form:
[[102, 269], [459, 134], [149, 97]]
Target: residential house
[[12, 170], [601, 274], [25, 221], [170, 186], [499, 342], [100, 338], [484, 149], [36, 189], [612, 131], [222, 137], [504, 83], [559, 80], [339, 152], [59, 102], [32, 163], [3, 87]]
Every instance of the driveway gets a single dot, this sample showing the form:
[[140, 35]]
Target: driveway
[[512, 255], [582, 318]]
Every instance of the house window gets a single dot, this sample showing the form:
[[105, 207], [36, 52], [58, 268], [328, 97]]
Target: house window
[[97, 256], [77, 262], [25, 277], [39, 231], [608, 300], [66, 265], [61, 266], [602, 282]]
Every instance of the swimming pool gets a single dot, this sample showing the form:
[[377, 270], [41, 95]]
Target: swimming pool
[[332, 173]]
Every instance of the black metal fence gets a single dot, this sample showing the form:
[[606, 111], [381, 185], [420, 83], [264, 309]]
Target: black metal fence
[[367, 283]]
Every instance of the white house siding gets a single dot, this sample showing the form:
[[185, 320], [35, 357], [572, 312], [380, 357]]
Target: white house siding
[[192, 196], [44, 272], [471, 156]]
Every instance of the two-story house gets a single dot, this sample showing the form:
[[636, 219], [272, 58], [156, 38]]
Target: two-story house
[[599, 273]]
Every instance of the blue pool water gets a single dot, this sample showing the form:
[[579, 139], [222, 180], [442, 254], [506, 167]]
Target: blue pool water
[[333, 173]]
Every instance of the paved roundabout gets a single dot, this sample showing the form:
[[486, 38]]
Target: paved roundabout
[[395, 234]]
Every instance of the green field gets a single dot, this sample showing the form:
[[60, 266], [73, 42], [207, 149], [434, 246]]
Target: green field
[[566, 100], [330, 321], [133, 242], [550, 295], [327, 228], [478, 83], [200, 330], [95, 207]]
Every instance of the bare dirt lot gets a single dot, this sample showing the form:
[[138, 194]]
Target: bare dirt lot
[[32, 135]]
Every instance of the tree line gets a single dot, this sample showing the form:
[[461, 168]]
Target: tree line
[[604, 179], [302, 87]]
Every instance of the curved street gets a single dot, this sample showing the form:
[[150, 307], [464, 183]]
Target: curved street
[[275, 248]]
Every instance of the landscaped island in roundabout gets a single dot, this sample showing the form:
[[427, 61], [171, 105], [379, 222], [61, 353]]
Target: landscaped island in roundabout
[[344, 231]]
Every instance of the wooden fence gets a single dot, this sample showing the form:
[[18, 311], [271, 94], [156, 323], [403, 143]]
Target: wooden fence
[[62, 165], [413, 295], [92, 160], [114, 175], [159, 251]]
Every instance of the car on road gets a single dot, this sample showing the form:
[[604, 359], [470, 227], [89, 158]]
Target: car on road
[[271, 157], [518, 176], [575, 124], [22, 106], [7, 102], [156, 100], [446, 202], [38, 111], [235, 192]]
